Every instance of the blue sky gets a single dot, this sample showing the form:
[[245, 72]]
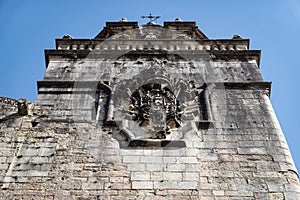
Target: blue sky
[[30, 26]]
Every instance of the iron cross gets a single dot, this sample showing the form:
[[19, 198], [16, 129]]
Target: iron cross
[[151, 18]]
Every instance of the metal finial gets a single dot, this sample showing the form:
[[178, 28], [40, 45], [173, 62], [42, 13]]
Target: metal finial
[[151, 18]]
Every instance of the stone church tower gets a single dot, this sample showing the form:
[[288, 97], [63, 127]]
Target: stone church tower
[[147, 112]]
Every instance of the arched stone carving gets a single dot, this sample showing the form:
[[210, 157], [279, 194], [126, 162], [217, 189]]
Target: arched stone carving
[[155, 106]]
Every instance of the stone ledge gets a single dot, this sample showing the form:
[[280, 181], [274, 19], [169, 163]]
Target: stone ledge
[[188, 54], [157, 143]]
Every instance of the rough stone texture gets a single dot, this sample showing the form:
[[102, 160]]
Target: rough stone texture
[[222, 139], [8, 107]]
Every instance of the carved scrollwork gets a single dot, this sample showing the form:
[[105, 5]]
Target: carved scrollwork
[[155, 106]]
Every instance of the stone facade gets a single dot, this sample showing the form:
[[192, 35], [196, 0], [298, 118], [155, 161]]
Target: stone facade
[[147, 112]]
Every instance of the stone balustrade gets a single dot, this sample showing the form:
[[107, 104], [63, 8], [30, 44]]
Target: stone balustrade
[[167, 45]]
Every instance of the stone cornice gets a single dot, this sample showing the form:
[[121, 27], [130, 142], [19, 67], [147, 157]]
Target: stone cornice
[[73, 86], [190, 54], [206, 44]]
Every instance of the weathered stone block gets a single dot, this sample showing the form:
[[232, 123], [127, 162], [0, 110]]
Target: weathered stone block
[[187, 160], [169, 159], [39, 160], [151, 159], [169, 176], [218, 192], [36, 173], [239, 193], [142, 185], [176, 167], [207, 157], [157, 176], [140, 176], [254, 150], [276, 196], [137, 167], [174, 152], [192, 167], [191, 176], [92, 186], [132, 152], [188, 185], [131, 159], [46, 152], [155, 167], [2, 159], [4, 166], [165, 185]]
